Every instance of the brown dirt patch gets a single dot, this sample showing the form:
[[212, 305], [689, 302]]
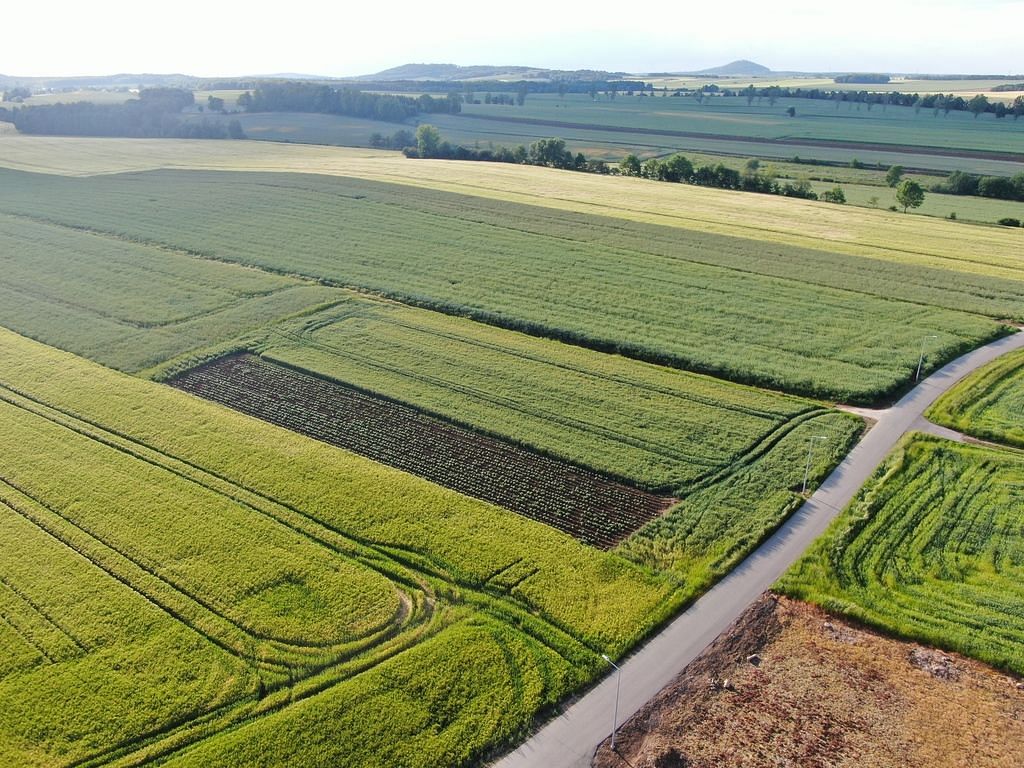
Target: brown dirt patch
[[789, 685]]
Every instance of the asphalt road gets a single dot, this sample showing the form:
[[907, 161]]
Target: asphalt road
[[569, 740]]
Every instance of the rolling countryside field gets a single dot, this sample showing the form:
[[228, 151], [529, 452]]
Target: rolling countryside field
[[278, 569], [733, 118], [765, 218], [637, 290], [341, 458]]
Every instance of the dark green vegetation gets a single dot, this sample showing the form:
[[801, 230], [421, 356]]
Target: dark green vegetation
[[205, 569], [585, 505], [154, 114], [988, 404], [794, 319], [931, 549]]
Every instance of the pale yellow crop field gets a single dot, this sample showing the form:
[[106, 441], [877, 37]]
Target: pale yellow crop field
[[858, 231]]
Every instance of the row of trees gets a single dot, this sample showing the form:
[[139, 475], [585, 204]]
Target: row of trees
[[309, 97], [678, 169], [936, 102], [553, 153], [155, 114], [999, 187]]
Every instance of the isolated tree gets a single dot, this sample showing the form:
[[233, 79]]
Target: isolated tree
[[894, 175], [630, 165], [428, 139], [215, 103], [1018, 107], [235, 130], [791, 111], [909, 194], [750, 92], [562, 88], [752, 166], [244, 101]]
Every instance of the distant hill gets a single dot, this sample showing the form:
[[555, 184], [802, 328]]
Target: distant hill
[[456, 73], [741, 67], [123, 80]]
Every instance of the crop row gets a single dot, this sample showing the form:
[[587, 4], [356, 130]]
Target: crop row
[[932, 549], [656, 427], [792, 319], [989, 403], [183, 536], [580, 502]]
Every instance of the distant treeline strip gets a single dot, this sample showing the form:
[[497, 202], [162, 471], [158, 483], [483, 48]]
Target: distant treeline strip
[[947, 103], [309, 97], [552, 153], [448, 86], [155, 114]]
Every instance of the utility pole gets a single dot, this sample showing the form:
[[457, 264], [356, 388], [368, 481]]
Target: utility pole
[[920, 360], [807, 466], [618, 681]]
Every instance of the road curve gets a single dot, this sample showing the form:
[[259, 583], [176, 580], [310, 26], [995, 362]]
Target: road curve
[[569, 740]]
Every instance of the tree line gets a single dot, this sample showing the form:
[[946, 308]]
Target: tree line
[[999, 187], [310, 97], [946, 103], [154, 114], [862, 77], [553, 153]]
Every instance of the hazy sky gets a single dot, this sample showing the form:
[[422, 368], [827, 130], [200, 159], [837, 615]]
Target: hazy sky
[[338, 38]]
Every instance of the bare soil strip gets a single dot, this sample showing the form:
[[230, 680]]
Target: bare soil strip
[[789, 685], [578, 501]]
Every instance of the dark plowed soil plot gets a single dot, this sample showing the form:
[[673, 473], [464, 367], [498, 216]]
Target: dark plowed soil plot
[[580, 502]]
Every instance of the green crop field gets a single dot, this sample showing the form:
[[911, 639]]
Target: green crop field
[[966, 208], [765, 218], [800, 320], [611, 143], [965, 88], [657, 427], [191, 586], [988, 404], [819, 120], [213, 569], [931, 549]]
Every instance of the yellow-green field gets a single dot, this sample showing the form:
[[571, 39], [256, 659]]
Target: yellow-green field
[[860, 232], [203, 568]]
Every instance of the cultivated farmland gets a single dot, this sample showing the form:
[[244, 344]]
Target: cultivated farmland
[[655, 427], [932, 550], [695, 301], [732, 118], [989, 404], [264, 570], [766, 218], [130, 305], [581, 503]]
